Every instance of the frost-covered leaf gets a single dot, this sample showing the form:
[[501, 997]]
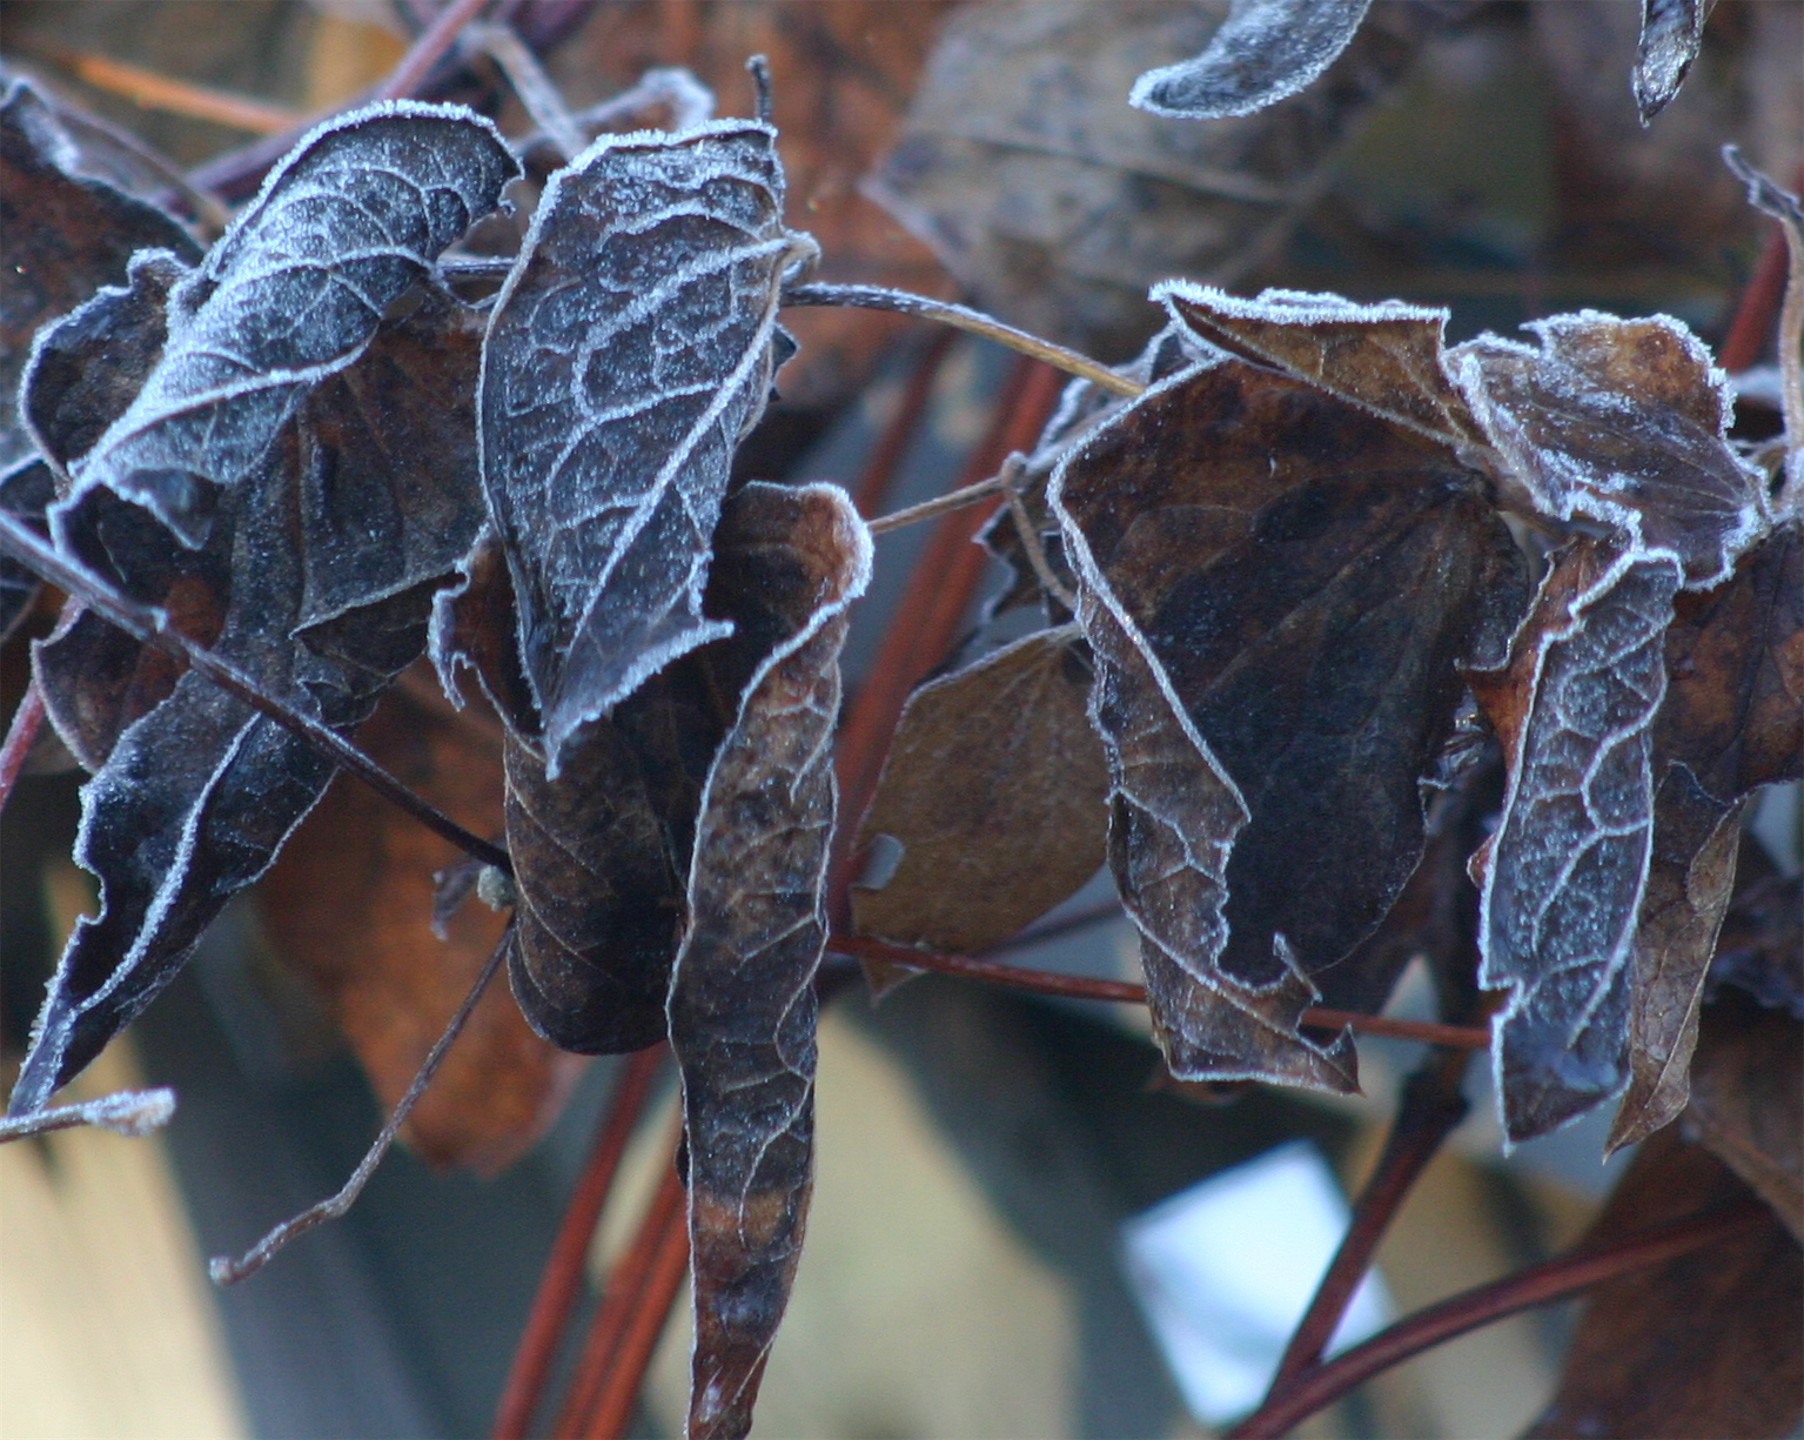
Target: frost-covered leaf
[[1671, 31], [1264, 52], [1621, 422], [629, 352], [742, 1002], [1705, 1344], [292, 293], [997, 791], [196, 795], [1057, 206], [1568, 866], [1732, 721], [1303, 579], [1386, 358], [1287, 569]]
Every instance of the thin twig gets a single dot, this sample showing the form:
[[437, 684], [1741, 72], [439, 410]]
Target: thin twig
[[227, 1271], [538, 95], [156, 91], [938, 506], [1430, 1110], [961, 317], [1124, 992], [564, 1269], [433, 45], [27, 720], [150, 624], [132, 1113], [1538, 1285]]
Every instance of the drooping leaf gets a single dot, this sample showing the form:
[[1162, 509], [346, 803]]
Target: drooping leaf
[[293, 293], [742, 1003], [1706, 1344], [1732, 721], [602, 853], [1386, 358], [1747, 1098], [1303, 580], [1568, 865], [196, 796], [1057, 206], [1671, 31], [1623, 423], [349, 904], [630, 350], [997, 790], [1264, 52]]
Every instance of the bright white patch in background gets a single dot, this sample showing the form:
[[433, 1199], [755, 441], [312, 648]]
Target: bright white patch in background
[[1225, 1269]]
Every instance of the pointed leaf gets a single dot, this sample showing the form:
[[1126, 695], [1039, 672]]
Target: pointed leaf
[[1671, 31], [1265, 51], [197, 795], [630, 350], [1623, 422], [1569, 862], [997, 790], [742, 1003], [292, 293]]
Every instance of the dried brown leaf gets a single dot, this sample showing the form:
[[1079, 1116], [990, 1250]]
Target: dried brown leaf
[[1747, 1098], [1303, 579], [1707, 1344], [742, 1004], [997, 789]]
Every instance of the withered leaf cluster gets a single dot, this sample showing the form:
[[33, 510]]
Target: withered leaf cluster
[[1358, 645]]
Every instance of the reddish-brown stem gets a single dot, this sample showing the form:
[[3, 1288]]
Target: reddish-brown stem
[[434, 44], [1430, 1110], [28, 719], [886, 457], [1086, 987], [625, 1291], [669, 1263], [938, 593], [156, 91], [564, 1268], [1538, 1285]]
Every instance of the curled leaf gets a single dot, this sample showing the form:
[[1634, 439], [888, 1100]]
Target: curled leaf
[[292, 293], [629, 352], [1569, 863], [997, 790], [1622, 422], [1264, 52], [742, 1002]]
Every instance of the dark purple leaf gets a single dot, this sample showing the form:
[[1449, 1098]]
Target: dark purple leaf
[[629, 352]]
